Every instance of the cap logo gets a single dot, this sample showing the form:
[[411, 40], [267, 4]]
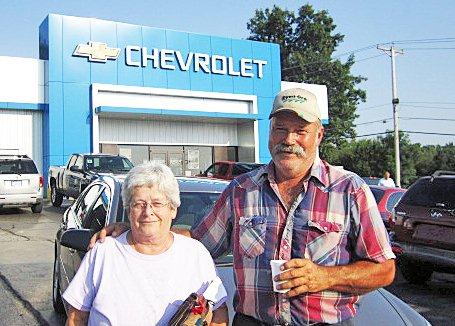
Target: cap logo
[[294, 98]]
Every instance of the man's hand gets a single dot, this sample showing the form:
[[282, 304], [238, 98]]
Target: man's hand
[[302, 276], [113, 230]]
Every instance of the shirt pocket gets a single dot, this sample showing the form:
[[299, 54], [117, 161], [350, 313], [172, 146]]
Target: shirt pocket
[[324, 242], [252, 235]]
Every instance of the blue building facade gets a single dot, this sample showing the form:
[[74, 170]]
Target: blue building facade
[[83, 52]]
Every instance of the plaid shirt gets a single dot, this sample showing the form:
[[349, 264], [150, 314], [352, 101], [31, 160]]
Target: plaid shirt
[[334, 221]]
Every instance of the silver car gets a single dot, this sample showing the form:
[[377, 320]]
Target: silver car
[[198, 195], [20, 183]]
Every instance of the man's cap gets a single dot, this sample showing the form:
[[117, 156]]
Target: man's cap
[[297, 100]]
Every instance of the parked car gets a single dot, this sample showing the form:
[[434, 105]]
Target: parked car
[[425, 227], [20, 183], [81, 169], [100, 204], [228, 170], [386, 199], [371, 181]]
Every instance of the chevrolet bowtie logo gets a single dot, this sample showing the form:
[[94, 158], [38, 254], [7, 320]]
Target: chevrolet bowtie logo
[[96, 52]]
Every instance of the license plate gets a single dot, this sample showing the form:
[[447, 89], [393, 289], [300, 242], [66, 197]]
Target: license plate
[[16, 183], [438, 233]]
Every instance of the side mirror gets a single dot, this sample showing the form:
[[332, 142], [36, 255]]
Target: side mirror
[[76, 239], [74, 168]]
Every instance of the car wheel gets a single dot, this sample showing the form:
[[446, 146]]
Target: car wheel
[[56, 198], [57, 300], [37, 208], [413, 272]]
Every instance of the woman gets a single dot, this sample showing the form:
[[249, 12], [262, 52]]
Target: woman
[[142, 276]]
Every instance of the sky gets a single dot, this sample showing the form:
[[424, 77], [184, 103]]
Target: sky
[[424, 30]]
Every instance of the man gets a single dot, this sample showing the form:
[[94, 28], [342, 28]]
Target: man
[[322, 220], [386, 181]]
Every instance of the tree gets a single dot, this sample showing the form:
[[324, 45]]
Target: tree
[[307, 42]]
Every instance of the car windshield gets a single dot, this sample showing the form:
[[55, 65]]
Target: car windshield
[[437, 193], [17, 166], [240, 168], [378, 194], [108, 164], [393, 200], [194, 206]]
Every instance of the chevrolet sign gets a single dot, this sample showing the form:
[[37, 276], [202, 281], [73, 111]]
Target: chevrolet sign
[[96, 52], [136, 56]]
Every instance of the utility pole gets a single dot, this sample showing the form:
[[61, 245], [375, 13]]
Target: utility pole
[[392, 52]]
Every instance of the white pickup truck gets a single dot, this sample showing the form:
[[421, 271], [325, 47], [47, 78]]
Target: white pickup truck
[[80, 170]]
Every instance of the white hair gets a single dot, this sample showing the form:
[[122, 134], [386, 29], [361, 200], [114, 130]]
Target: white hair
[[151, 174]]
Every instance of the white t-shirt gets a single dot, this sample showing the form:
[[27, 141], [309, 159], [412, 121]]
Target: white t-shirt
[[386, 182], [120, 286]]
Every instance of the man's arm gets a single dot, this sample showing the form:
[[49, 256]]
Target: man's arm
[[302, 276], [77, 317]]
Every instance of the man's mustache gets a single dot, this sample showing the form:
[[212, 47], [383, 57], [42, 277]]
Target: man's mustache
[[291, 149]]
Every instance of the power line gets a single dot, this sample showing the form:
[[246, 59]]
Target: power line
[[420, 49], [425, 118], [375, 106], [407, 132], [375, 121], [423, 102], [369, 47], [427, 40], [428, 133], [328, 68], [405, 118], [427, 107]]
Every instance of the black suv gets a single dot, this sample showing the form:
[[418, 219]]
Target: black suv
[[425, 227]]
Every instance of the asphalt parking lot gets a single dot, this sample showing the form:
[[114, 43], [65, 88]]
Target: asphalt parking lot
[[26, 259]]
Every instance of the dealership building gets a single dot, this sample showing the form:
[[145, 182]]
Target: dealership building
[[147, 93]]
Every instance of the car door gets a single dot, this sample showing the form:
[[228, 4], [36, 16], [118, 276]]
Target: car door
[[75, 177], [75, 219], [95, 218]]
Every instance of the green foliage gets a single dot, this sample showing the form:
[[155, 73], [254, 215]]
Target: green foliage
[[371, 157], [307, 42]]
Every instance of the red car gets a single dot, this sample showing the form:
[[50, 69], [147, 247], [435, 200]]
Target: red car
[[387, 198], [228, 170]]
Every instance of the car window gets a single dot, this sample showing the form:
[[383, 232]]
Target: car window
[[79, 162], [194, 206], [17, 166], [72, 161], [378, 194], [240, 168], [393, 200], [221, 169], [86, 202], [437, 193], [210, 169], [113, 164], [95, 219]]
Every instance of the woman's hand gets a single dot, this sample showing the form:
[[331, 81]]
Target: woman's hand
[[113, 230], [220, 316], [77, 317]]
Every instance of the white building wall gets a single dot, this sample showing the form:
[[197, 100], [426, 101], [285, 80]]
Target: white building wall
[[158, 132], [21, 132], [22, 80]]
